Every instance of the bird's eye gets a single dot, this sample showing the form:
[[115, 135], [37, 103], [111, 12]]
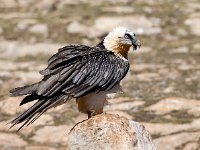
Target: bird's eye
[[126, 36]]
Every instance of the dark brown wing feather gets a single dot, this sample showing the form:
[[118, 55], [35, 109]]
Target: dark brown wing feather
[[81, 72]]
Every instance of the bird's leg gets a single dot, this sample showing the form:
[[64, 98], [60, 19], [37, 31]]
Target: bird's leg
[[91, 113], [104, 113]]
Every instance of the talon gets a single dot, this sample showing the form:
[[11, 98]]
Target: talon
[[91, 113]]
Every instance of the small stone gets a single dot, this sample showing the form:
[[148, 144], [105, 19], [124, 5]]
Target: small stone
[[185, 67], [147, 9], [76, 27], [168, 89], [5, 74], [193, 23], [196, 46], [45, 6], [9, 139], [118, 9], [24, 24], [182, 32], [39, 29]]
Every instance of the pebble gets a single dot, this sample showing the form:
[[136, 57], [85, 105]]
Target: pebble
[[39, 29]]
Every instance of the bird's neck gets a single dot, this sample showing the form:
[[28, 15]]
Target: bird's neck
[[112, 44]]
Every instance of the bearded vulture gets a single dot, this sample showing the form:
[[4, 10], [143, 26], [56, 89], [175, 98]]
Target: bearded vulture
[[84, 73]]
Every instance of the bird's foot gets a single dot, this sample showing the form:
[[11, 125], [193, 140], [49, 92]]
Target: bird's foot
[[92, 113], [104, 113]]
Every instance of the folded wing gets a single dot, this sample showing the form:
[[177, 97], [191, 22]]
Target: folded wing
[[81, 70]]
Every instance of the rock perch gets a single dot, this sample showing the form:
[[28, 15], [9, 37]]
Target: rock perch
[[109, 132]]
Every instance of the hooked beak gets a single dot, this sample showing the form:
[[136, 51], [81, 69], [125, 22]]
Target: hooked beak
[[136, 43]]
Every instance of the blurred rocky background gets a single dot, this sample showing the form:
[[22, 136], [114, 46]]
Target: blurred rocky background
[[161, 91]]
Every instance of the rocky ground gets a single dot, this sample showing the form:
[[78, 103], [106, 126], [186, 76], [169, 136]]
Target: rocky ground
[[162, 89]]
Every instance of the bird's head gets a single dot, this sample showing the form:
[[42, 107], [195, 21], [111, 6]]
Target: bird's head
[[120, 40]]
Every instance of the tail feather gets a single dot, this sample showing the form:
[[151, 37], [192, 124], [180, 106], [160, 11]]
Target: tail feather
[[31, 118], [29, 89], [61, 99], [30, 98], [28, 112], [34, 112], [26, 115]]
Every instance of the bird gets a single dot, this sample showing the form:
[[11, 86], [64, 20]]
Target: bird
[[86, 74]]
